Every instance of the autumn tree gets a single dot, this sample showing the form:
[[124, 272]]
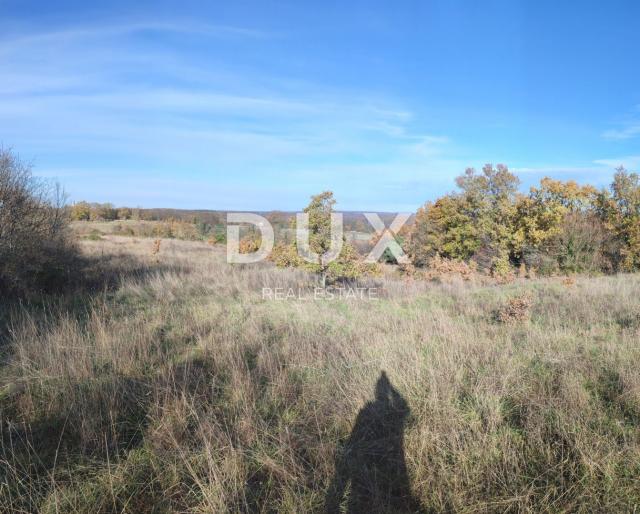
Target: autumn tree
[[619, 208], [319, 210], [582, 244], [319, 231], [346, 266], [556, 227], [106, 212], [474, 223], [490, 198], [124, 213], [81, 211]]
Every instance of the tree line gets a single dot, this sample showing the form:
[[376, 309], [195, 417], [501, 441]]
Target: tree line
[[487, 223], [557, 227], [85, 211]]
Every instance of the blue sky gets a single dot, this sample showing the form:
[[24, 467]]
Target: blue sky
[[257, 105]]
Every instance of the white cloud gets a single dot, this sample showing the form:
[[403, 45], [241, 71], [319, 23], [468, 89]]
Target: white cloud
[[105, 95], [68, 36], [109, 115], [630, 131], [629, 128], [631, 162], [429, 146], [559, 170]]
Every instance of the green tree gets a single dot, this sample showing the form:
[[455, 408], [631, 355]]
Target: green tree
[[491, 202], [442, 228], [475, 223]]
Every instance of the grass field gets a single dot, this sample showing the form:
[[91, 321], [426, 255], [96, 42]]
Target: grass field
[[166, 383]]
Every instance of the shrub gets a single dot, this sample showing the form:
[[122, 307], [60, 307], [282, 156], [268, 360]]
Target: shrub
[[440, 268], [349, 266], [387, 256], [95, 235], [285, 256], [516, 309], [203, 229], [250, 244], [35, 250]]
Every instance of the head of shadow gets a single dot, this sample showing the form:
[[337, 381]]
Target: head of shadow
[[371, 472]]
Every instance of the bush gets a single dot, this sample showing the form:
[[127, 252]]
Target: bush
[[95, 235], [347, 266], [285, 256], [250, 244], [35, 250], [444, 269], [516, 310]]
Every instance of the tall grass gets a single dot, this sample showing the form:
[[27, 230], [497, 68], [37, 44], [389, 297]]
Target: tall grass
[[178, 388]]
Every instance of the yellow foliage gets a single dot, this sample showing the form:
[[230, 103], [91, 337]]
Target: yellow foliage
[[81, 211], [250, 244]]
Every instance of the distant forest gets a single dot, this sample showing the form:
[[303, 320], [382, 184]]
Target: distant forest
[[353, 220], [487, 223]]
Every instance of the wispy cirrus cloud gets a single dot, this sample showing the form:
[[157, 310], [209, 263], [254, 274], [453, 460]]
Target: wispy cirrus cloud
[[12, 42], [598, 173], [630, 131], [560, 170], [247, 98], [104, 105], [631, 162], [629, 128]]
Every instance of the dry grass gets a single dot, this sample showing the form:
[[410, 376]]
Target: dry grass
[[179, 389]]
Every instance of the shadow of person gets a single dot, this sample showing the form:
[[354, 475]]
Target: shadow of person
[[371, 464]]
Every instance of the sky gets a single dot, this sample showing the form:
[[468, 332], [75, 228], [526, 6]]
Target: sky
[[258, 105]]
